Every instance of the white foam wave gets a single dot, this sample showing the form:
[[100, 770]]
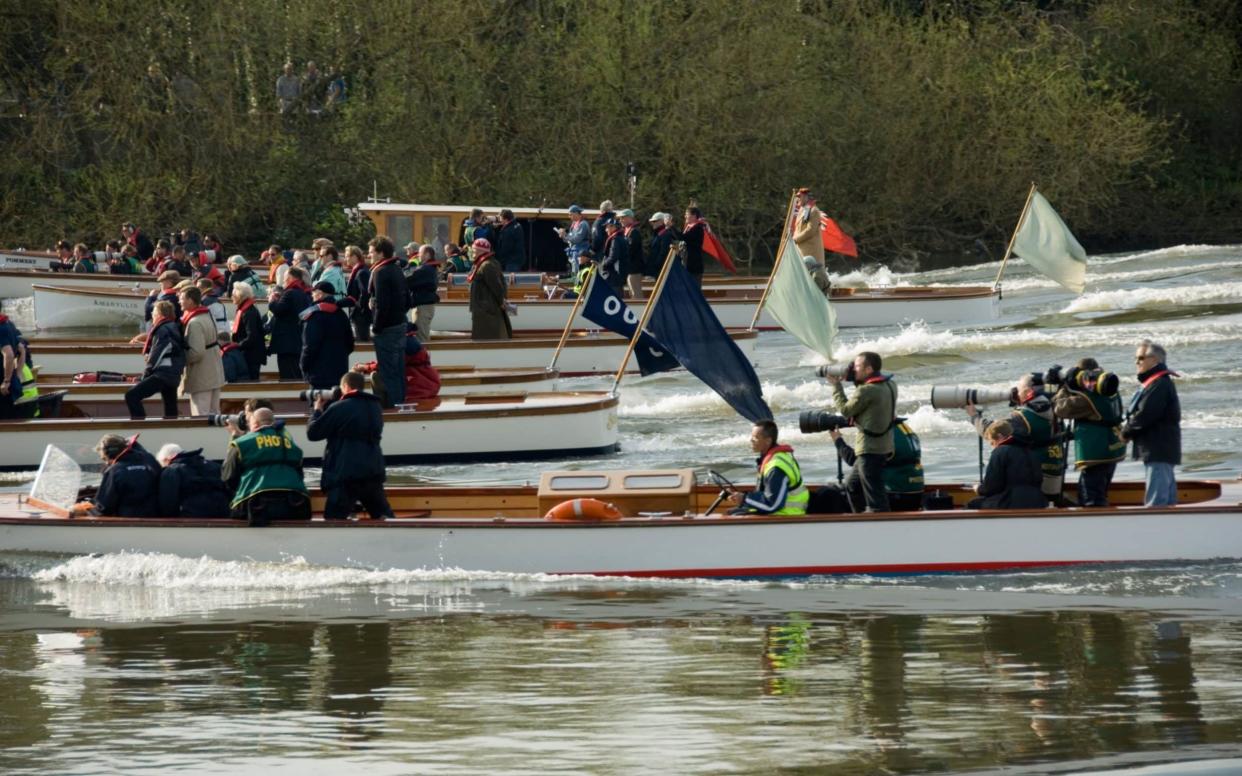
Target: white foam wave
[[866, 277], [1039, 282], [1133, 298], [1212, 420]]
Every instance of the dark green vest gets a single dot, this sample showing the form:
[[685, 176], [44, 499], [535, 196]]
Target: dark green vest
[[1032, 429], [269, 461], [1098, 440], [903, 471]]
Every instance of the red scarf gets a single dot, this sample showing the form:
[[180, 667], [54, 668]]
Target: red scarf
[[1158, 375], [192, 314], [354, 270], [478, 262], [295, 283], [241, 309], [629, 229], [146, 346]]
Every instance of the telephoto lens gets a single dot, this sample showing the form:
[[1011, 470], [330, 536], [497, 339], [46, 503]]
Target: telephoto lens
[[841, 371], [313, 395], [816, 421], [952, 397]]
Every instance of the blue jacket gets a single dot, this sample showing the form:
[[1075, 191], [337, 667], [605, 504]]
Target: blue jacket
[[235, 368], [327, 341], [511, 247], [1154, 421], [286, 321], [190, 486], [352, 426], [165, 352], [130, 485]]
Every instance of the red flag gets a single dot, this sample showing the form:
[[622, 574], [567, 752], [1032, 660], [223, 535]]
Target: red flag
[[836, 240], [714, 248]]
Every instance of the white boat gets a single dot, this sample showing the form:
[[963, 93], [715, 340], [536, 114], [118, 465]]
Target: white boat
[[10, 259], [453, 382], [584, 354], [19, 283], [735, 307], [486, 427], [502, 530], [63, 307]]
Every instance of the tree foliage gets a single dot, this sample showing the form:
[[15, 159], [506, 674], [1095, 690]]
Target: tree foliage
[[919, 123]]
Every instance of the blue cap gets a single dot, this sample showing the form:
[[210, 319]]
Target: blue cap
[[575, 208]]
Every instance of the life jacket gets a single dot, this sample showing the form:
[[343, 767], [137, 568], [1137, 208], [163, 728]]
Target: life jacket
[[269, 462], [798, 497], [582, 279], [30, 387], [903, 470], [1036, 427]]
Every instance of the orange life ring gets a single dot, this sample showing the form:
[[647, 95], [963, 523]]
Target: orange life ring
[[583, 509]]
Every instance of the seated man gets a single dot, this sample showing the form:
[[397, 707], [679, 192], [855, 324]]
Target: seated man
[[903, 469], [1013, 478], [190, 485], [422, 380], [263, 469], [130, 485], [780, 490]]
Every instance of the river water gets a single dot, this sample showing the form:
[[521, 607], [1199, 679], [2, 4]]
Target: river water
[[131, 663]]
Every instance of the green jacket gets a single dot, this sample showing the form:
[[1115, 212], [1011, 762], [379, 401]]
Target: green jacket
[[903, 472], [264, 460], [1097, 426], [873, 409]]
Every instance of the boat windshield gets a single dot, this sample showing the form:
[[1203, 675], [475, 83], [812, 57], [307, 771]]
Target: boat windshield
[[58, 480]]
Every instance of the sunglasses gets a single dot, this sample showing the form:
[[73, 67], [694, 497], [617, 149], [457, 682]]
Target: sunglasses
[[1141, 359]]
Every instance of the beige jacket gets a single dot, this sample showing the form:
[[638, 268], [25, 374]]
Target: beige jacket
[[204, 369], [807, 233]]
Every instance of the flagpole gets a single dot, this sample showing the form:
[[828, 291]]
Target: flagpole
[[642, 322], [1014, 237], [780, 251], [573, 314]]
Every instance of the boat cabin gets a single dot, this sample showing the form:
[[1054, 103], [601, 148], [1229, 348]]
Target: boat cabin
[[437, 225]]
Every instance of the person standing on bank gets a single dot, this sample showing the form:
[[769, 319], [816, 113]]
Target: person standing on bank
[[1154, 424], [780, 490], [389, 300], [263, 470], [285, 306], [489, 306], [353, 462], [248, 329], [633, 253], [204, 370], [808, 226], [164, 351], [327, 339], [874, 412]]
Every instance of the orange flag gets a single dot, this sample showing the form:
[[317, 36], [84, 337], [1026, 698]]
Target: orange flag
[[835, 240], [713, 247]]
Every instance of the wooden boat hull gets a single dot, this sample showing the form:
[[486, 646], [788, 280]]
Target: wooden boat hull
[[583, 354], [453, 382], [736, 307], [698, 546], [451, 429]]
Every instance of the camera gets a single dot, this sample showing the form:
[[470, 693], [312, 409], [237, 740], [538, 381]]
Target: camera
[[952, 397], [842, 371], [815, 421], [1053, 376], [220, 421], [1094, 380], [313, 395]]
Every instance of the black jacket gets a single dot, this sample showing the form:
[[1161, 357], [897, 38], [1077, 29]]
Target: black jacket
[[1013, 479], [511, 247], [144, 246], [634, 248], [357, 288], [612, 266], [352, 427], [392, 299], [693, 237], [598, 232], [657, 252], [1154, 421], [190, 486], [286, 321], [236, 276], [250, 337], [165, 352], [327, 341], [162, 296], [130, 485], [423, 282]]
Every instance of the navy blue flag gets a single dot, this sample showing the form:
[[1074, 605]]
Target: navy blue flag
[[604, 308], [684, 322]]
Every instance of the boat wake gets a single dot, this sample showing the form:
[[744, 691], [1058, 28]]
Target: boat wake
[[1136, 298]]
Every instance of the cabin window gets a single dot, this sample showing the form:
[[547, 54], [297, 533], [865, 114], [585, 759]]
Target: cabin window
[[652, 481], [400, 231], [578, 482], [436, 233]]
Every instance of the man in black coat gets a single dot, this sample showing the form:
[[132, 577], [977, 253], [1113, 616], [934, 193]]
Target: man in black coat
[[390, 301], [248, 330], [327, 339], [164, 353], [130, 484], [633, 252], [657, 250], [353, 463], [424, 283], [1013, 479], [599, 232], [190, 485], [692, 236], [1154, 423], [285, 306], [357, 289], [612, 269], [510, 243]]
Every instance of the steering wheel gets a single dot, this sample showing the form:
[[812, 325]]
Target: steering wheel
[[725, 486]]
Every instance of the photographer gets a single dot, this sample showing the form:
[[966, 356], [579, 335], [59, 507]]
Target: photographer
[[190, 485], [353, 463], [903, 469], [263, 470], [780, 490], [1034, 425], [874, 411], [1089, 398]]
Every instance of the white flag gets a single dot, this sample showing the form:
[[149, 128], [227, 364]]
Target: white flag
[[799, 306], [1046, 243]]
